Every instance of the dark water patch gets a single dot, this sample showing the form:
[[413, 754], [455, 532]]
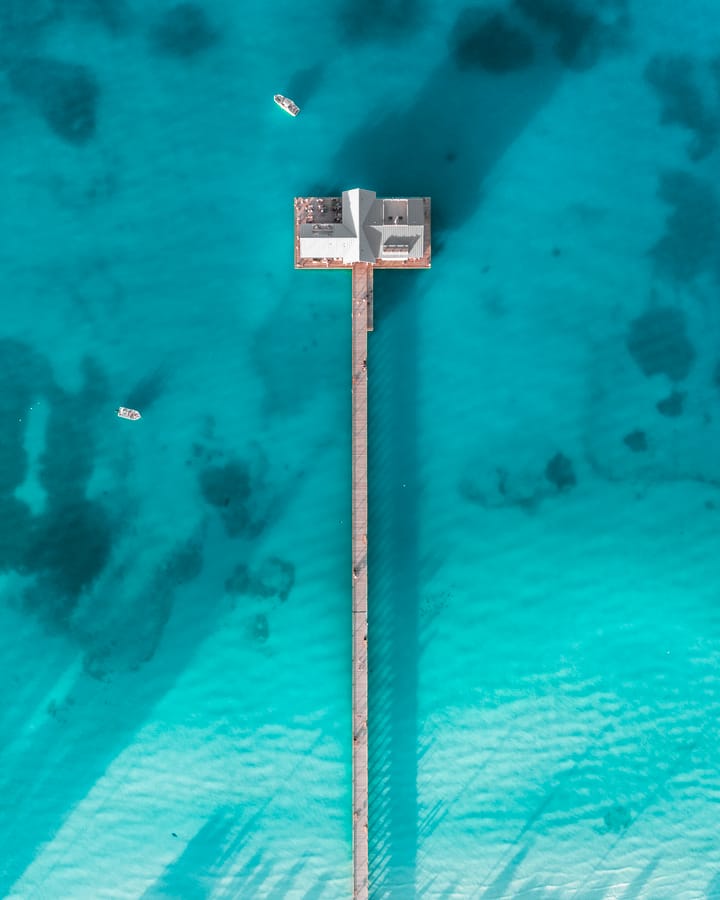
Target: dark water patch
[[380, 20], [560, 472], [13, 458], [124, 635], [146, 392], [716, 375], [183, 31], [617, 818], [60, 710], [490, 40], [502, 486], [260, 628], [275, 577], [672, 406], [23, 372], [524, 485], [130, 639], [676, 80], [185, 563], [23, 377], [69, 546], [236, 492], [690, 245], [114, 16], [581, 30], [636, 441], [65, 94], [658, 342], [127, 645], [15, 527], [65, 548], [222, 485], [50, 606], [202, 453], [242, 581], [304, 84], [68, 460]]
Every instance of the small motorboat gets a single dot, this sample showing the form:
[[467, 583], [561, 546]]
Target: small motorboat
[[126, 413], [286, 104]]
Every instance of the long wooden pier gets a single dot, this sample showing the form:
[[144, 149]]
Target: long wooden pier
[[317, 217], [362, 290]]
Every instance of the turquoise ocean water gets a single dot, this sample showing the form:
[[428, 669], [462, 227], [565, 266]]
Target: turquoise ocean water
[[545, 475]]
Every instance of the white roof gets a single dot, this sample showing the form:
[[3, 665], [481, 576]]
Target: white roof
[[368, 231]]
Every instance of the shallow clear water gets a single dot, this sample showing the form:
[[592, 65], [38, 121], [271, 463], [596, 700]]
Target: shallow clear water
[[545, 612]]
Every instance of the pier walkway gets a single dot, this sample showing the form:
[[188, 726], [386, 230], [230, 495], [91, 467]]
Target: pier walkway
[[362, 281], [328, 228]]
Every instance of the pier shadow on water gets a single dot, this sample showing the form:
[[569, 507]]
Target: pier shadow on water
[[442, 144], [394, 591]]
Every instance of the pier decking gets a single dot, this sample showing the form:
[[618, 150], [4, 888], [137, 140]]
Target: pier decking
[[399, 230], [361, 289]]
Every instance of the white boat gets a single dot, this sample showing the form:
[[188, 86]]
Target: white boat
[[126, 413], [286, 104]]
